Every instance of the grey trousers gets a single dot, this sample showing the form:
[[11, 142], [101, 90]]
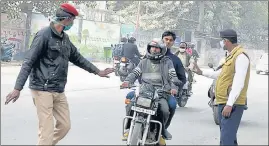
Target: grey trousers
[[229, 126]]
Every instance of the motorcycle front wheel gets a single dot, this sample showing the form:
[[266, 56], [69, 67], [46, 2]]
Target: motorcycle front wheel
[[136, 134], [122, 78]]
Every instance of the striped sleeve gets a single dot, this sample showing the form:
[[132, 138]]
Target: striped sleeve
[[137, 72], [172, 73]]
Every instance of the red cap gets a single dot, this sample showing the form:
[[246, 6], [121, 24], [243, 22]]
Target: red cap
[[69, 8]]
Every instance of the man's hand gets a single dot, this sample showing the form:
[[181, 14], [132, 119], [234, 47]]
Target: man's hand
[[125, 85], [187, 68], [14, 95], [196, 69], [173, 91], [104, 73], [226, 112]]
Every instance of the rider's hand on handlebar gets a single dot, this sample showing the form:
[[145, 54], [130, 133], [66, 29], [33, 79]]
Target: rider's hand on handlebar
[[125, 84], [173, 91]]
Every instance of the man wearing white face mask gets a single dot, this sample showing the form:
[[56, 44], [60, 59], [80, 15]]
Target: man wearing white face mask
[[47, 65], [231, 86], [187, 61]]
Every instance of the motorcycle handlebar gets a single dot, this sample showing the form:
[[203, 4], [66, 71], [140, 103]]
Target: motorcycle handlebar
[[129, 87]]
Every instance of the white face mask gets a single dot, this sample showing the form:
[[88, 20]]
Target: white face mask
[[221, 44], [182, 50]]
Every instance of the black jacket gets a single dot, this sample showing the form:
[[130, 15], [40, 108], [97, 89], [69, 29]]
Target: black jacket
[[47, 61], [130, 50], [180, 70]]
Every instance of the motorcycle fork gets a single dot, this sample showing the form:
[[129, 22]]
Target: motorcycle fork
[[131, 128], [146, 129]]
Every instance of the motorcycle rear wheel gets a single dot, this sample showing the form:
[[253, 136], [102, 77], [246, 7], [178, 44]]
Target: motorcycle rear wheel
[[215, 114], [182, 102]]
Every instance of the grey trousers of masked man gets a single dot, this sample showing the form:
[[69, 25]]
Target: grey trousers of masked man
[[229, 126]]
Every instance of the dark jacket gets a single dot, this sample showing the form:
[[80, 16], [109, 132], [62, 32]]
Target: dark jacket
[[161, 75], [180, 70], [130, 50], [47, 61]]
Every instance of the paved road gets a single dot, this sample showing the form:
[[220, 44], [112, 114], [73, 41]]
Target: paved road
[[97, 110]]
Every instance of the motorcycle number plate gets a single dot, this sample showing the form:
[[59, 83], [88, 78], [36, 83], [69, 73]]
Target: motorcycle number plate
[[122, 64], [142, 110], [116, 61]]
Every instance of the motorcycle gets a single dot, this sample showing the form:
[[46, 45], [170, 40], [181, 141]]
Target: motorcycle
[[126, 67], [7, 52], [144, 130], [116, 61], [211, 94], [184, 94]]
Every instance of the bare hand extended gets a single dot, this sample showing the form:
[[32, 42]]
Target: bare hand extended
[[196, 69], [104, 73], [14, 95]]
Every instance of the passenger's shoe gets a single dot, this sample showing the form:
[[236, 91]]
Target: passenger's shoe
[[125, 135], [162, 141], [167, 135]]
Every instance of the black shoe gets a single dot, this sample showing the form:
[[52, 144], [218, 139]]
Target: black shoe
[[167, 135]]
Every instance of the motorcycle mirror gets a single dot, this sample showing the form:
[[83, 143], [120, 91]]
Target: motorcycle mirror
[[210, 65]]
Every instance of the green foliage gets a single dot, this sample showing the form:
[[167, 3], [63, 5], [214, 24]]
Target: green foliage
[[249, 18], [47, 8]]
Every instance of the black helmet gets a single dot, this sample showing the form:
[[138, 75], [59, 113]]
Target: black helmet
[[131, 40], [123, 39], [157, 44]]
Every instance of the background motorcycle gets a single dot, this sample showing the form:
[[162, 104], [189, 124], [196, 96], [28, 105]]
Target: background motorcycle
[[211, 95], [144, 130], [184, 94], [116, 61], [126, 67]]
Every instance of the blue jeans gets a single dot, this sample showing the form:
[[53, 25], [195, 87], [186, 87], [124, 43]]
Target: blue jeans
[[229, 126]]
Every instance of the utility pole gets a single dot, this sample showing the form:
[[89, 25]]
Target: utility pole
[[200, 28], [201, 16], [137, 18], [27, 8]]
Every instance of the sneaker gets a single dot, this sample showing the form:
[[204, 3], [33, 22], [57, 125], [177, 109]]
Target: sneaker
[[125, 135], [167, 135], [162, 141]]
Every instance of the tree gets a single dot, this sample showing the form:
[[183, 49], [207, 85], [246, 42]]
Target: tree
[[47, 8]]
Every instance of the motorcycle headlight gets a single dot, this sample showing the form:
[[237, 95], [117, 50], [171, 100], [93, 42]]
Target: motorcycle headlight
[[145, 102]]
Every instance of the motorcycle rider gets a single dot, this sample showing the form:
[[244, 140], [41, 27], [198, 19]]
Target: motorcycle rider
[[169, 38], [158, 70], [131, 52], [116, 52], [187, 60], [195, 54]]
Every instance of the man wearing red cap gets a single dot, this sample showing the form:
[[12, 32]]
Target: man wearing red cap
[[47, 64]]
